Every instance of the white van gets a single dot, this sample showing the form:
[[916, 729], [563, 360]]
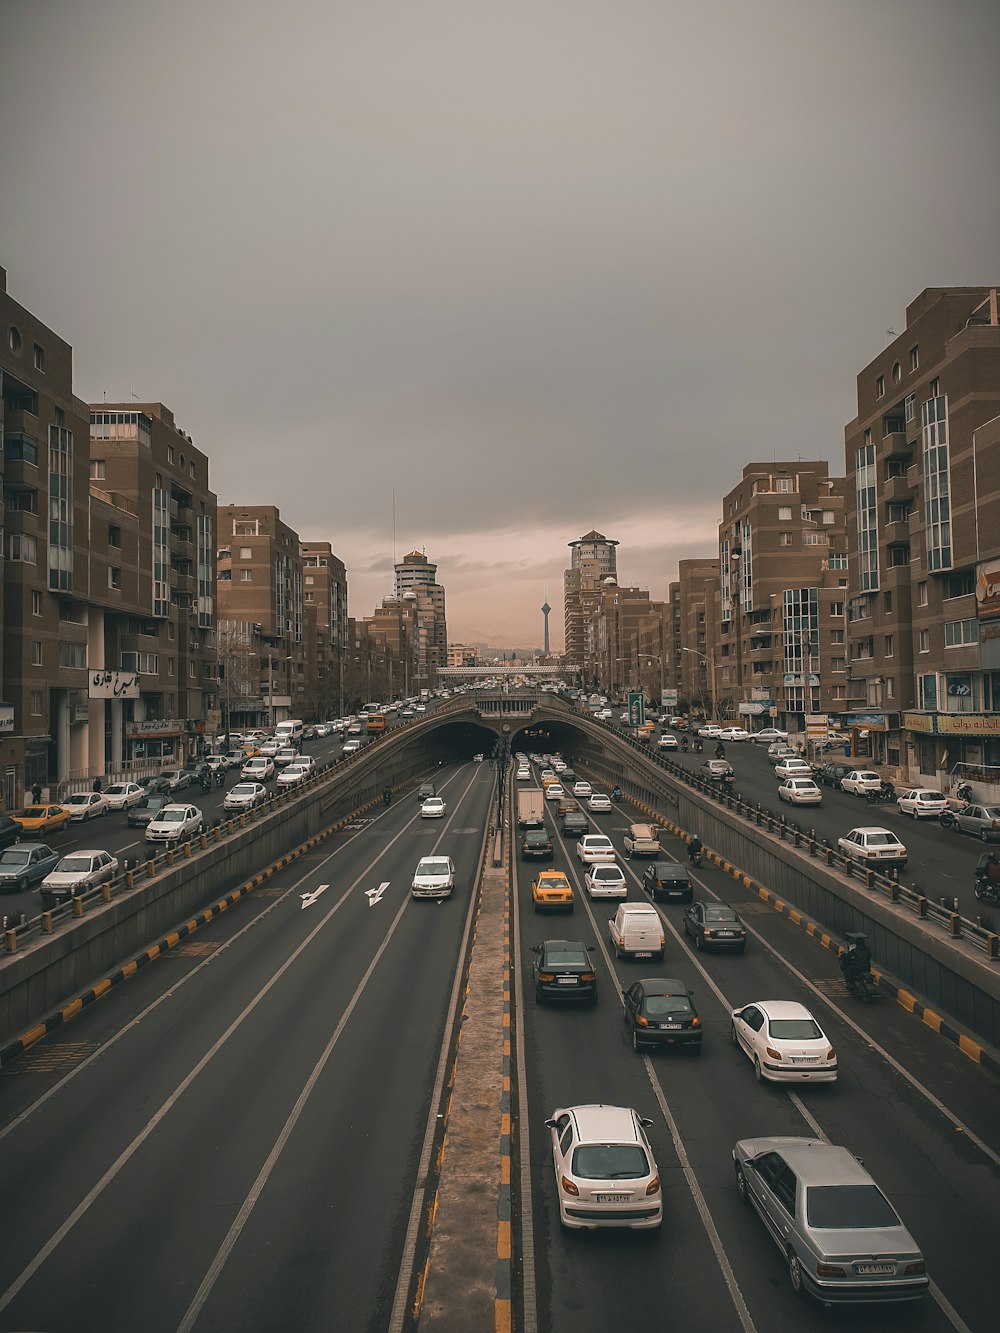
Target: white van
[[636, 931], [289, 732]]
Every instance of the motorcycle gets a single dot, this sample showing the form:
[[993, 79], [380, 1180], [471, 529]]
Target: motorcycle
[[698, 747], [694, 856], [855, 965], [883, 796], [861, 984], [964, 792], [387, 797], [987, 883], [684, 745], [616, 794], [205, 782]]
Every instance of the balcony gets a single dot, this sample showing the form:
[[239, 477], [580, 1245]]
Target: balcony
[[182, 546], [897, 532], [901, 486], [895, 444]]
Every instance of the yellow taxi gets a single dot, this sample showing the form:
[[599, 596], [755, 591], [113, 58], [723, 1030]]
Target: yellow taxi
[[551, 782], [551, 891], [250, 750], [42, 818]]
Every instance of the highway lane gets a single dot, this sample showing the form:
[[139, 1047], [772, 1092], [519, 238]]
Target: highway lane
[[941, 1181], [240, 1149]]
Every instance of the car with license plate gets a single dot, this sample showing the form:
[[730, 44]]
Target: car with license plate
[[536, 845], [982, 821], [874, 848], [566, 805], [642, 840], [433, 807], [554, 791], [40, 819], [668, 880], [351, 747], [285, 756], [715, 926], [830, 774], [85, 805], [922, 802], [605, 1171], [551, 891], [660, 1012], [24, 864], [175, 823], [292, 774], [582, 788], [768, 736], [563, 970], [595, 847], [840, 1237], [605, 879], [783, 1042], [791, 766], [434, 877], [524, 775], [860, 781], [426, 789], [599, 803], [717, 770], [147, 810], [800, 791], [123, 795], [710, 731], [244, 796], [75, 873], [667, 742], [259, 769], [734, 734], [574, 824], [636, 931]]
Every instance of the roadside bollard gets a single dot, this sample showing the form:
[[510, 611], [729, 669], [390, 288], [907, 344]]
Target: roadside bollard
[[130, 879], [106, 891], [151, 867], [187, 850], [10, 937], [47, 922], [77, 905], [203, 840], [170, 856]]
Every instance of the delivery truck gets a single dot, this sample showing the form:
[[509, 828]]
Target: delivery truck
[[530, 807]]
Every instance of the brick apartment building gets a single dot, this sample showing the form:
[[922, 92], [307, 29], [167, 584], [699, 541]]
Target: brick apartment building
[[325, 606], [592, 561], [416, 580], [923, 475]]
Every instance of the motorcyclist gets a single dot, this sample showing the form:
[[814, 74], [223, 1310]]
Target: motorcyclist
[[720, 751], [387, 796], [205, 777], [684, 744], [698, 747], [856, 960], [616, 793], [695, 848]]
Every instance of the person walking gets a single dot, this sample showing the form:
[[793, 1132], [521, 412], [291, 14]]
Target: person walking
[[98, 784], [36, 793]]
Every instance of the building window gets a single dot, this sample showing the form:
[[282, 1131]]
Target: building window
[[98, 469], [910, 406], [838, 560], [888, 645], [865, 483], [935, 387], [887, 601], [810, 538], [40, 358], [170, 453], [784, 539], [18, 447], [896, 372], [20, 546], [114, 536], [309, 580], [35, 703], [247, 528], [922, 593], [171, 665], [36, 602], [838, 664], [192, 668], [937, 482], [60, 509], [837, 610], [914, 357], [924, 641], [161, 550], [14, 339], [114, 577], [958, 633], [783, 484], [785, 514], [191, 470], [880, 387], [828, 516], [246, 576], [838, 636], [72, 654], [960, 585], [246, 553], [36, 652]]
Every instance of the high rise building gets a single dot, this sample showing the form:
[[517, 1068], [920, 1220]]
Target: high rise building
[[923, 481], [592, 561], [695, 647], [324, 578], [417, 575]]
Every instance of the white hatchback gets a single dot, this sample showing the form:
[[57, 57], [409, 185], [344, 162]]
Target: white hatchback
[[605, 1171], [433, 808], [604, 879], [922, 803], [783, 1042]]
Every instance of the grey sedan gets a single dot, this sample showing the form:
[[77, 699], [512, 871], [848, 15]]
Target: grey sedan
[[982, 821], [841, 1238], [25, 864]]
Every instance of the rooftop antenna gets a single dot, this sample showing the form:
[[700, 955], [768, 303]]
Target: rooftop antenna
[[394, 525], [889, 335]]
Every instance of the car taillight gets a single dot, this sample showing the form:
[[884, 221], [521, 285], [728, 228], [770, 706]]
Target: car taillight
[[546, 976], [654, 1186], [915, 1269], [829, 1270], [696, 1022], [568, 1186], [831, 1054], [663, 942], [775, 1055], [588, 976], [641, 1022]]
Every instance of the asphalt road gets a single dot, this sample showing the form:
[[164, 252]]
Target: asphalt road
[[231, 1141], [921, 1115]]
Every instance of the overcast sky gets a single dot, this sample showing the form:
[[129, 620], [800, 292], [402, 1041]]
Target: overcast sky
[[540, 265]]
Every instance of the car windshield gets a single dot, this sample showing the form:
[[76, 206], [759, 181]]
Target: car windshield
[[116, 790], [433, 866], [795, 1029], [713, 913], [661, 1006], [243, 789], [74, 864], [85, 799], [14, 857], [848, 1207], [566, 955], [930, 796], [610, 1161]]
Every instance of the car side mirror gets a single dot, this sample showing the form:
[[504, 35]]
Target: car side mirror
[[645, 1122], [551, 1124], [590, 948]]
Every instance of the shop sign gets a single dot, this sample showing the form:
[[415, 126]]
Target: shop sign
[[872, 721], [968, 724], [114, 685], [81, 713], [6, 718], [988, 590], [161, 727], [919, 722]]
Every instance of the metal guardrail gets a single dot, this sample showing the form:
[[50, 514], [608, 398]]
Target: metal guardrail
[[949, 920]]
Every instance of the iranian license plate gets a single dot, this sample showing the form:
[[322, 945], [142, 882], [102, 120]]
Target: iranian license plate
[[644, 953], [669, 1025], [612, 1198], [805, 1059], [567, 981], [725, 934], [873, 1270]]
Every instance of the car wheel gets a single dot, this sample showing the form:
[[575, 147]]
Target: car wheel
[[795, 1274], [635, 1040], [697, 943], [22, 884], [758, 1073], [983, 835], [742, 1193]]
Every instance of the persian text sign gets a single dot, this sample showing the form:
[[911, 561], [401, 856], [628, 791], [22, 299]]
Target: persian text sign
[[988, 590], [113, 685], [968, 724]]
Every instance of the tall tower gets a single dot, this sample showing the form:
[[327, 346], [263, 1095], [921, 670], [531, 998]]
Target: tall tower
[[545, 612]]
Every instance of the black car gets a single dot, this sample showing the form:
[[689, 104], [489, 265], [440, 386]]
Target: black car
[[667, 879], [426, 789], [148, 809], [10, 831], [564, 970], [659, 1012], [154, 784], [536, 845], [831, 773], [26, 864], [574, 823], [715, 926]]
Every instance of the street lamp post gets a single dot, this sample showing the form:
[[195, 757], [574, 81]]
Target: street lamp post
[[705, 659]]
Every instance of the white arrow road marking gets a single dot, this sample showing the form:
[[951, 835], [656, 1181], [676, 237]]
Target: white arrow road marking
[[375, 895], [309, 898]]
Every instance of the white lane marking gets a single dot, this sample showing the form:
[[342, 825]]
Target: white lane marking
[[375, 895], [242, 1217], [309, 898]]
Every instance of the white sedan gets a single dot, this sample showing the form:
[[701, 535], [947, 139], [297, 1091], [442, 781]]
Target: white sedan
[[874, 847], [792, 767], [123, 795], [433, 808], [860, 781], [84, 805], [711, 731], [800, 791], [734, 734], [784, 1042], [599, 803], [244, 796], [604, 880], [582, 789], [768, 735], [175, 823], [555, 791], [667, 742], [922, 802], [292, 775], [524, 775]]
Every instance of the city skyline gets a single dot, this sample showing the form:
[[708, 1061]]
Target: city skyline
[[539, 315]]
